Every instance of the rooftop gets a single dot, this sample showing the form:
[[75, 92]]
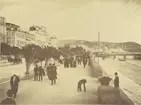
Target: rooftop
[[11, 25]]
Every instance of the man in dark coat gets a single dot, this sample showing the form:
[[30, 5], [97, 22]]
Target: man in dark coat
[[8, 100], [53, 74], [74, 63], [79, 84], [116, 80], [84, 61], [41, 73], [79, 60], [71, 61], [36, 73], [66, 62], [55, 69], [48, 70], [14, 83]]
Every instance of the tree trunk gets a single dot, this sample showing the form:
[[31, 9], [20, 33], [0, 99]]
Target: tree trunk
[[46, 61], [28, 64], [41, 63]]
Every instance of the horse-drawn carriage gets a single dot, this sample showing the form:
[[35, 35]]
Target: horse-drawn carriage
[[15, 60]]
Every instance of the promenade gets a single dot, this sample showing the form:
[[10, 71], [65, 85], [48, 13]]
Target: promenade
[[64, 92]]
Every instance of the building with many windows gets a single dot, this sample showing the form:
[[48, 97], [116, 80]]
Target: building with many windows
[[53, 41], [41, 35], [17, 37], [2, 31], [13, 35]]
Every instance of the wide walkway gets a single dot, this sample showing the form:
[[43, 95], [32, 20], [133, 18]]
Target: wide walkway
[[64, 92], [7, 71]]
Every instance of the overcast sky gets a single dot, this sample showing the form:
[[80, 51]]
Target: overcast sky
[[116, 20]]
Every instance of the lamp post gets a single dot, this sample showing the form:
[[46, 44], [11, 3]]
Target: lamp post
[[98, 45]]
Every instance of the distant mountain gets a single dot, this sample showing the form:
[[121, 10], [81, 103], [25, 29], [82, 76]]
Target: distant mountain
[[126, 46], [130, 46]]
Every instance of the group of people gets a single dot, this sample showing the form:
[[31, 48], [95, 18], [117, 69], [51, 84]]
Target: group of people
[[51, 72], [72, 61], [69, 62], [38, 73]]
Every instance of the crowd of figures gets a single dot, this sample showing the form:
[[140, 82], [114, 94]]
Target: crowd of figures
[[73, 61], [51, 72]]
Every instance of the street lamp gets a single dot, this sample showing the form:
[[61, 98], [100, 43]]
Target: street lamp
[[98, 45]]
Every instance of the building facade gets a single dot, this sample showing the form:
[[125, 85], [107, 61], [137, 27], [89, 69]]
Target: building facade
[[17, 37], [13, 35], [53, 41], [2, 31], [41, 35]]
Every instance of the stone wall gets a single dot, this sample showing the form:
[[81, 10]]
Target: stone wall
[[108, 94]]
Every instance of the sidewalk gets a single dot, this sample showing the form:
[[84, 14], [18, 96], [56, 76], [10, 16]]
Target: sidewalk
[[7, 71], [4, 63], [64, 92], [130, 88]]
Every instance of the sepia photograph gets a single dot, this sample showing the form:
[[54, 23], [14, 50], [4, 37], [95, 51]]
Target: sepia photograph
[[70, 52]]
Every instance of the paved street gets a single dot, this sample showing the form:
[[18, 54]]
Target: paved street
[[128, 75], [7, 71], [64, 92]]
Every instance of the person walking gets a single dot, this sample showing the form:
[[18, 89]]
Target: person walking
[[116, 80], [36, 73], [41, 72], [116, 85], [74, 63], [14, 83], [79, 60], [8, 100], [84, 61], [53, 75], [71, 61], [48, 70], [55, 70], [66, 62]]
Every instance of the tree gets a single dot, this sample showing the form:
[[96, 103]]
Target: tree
[[49, 52], [5, 49], [28, 52], [15, 51], [39, 54]]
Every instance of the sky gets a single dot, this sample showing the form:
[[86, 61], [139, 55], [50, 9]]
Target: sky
[[116, 20]]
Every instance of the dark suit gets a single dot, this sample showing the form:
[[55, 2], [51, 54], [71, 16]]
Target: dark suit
[[8, 101], [14, 85], [84, 62], [49, 68], [116, 82], [41, 72], [36, 73], [83, 81], [53, 74]]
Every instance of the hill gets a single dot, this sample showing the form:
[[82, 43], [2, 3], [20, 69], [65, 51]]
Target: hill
[[126, 46]]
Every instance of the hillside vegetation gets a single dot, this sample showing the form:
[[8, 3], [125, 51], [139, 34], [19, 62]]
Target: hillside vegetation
[[126, 46]]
